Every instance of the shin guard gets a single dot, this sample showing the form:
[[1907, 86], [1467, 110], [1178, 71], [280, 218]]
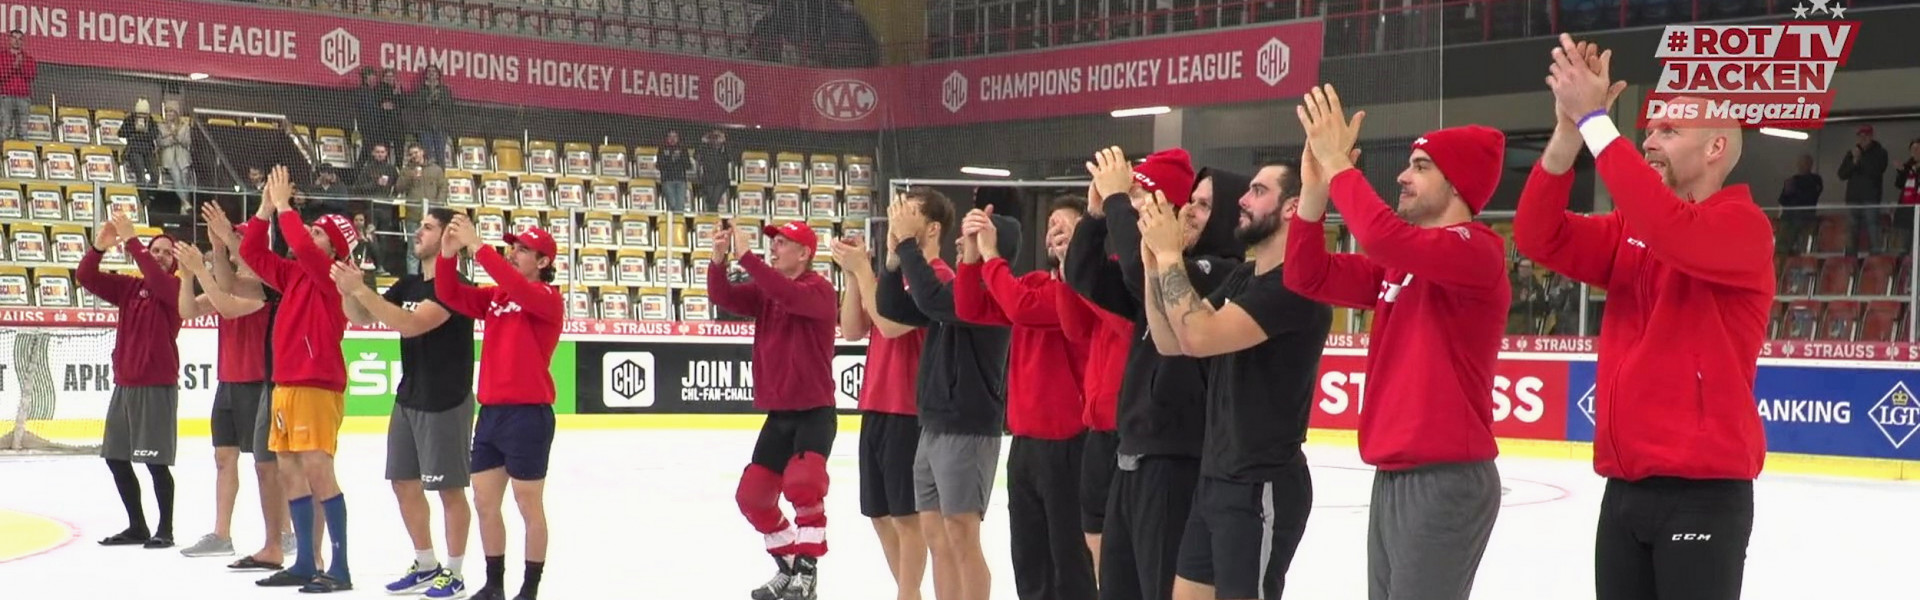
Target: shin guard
[[806, 488], [759, 500]]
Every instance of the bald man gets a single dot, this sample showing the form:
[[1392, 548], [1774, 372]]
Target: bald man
[[1687, 262]]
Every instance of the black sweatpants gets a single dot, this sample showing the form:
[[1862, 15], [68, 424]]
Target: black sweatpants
[[1050, 557], [1146, 517], [1673, 539]]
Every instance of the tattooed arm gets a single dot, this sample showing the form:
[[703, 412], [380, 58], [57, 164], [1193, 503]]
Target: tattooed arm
[[1201, 329], [1164, 339]]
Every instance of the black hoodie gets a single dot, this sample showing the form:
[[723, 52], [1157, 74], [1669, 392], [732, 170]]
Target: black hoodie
[[1162, 408], [962, 385]]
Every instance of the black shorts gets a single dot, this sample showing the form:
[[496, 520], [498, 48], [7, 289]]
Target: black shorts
[[1098, 460], [235, 408], [887, 444], [1241, 536], [516, 436], [1146, 516], [790, 433]]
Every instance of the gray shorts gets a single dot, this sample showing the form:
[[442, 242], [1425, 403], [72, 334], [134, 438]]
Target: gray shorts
[[1427, 529], [235, 408], [143, 425], [954, 473], [262, 423], [434, 448]]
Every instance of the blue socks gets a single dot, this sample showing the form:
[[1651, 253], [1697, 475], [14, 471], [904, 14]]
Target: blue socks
[[336, 509], [302, 514]]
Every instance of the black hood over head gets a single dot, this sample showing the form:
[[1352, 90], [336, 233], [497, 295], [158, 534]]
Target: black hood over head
[[1216, 236]]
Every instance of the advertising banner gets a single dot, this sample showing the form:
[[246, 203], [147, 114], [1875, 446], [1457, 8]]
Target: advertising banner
[[1869, 413], [79, 369], [374, 372], [237, 42], [689, 377], [1279, 62], [1529, 396]]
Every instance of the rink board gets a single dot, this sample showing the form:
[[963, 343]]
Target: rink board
[[1855, 418]]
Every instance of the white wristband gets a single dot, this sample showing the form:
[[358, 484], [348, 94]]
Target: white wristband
[[1598, 132]]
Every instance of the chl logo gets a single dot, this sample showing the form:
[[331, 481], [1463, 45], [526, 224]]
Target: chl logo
[[1273, 62], [849, 374], [845, 99], [340, 51], [953, 92], [1897, 414], [850, 379], [628, 379], [729, 91]]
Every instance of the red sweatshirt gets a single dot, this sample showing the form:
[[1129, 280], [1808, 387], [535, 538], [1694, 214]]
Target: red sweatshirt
[[310, 323], [523, 320], [146, 349], [1689, 290], [1043, 391], [1108, 336], [1440, 297], [17, 81], [793, 331]]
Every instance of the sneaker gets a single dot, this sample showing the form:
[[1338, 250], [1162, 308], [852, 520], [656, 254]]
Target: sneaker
[[209, 545], [805, 577], [775, 589], [447, 586], [414, 581]]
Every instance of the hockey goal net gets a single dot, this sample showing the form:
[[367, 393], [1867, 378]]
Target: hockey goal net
[[54, 386]]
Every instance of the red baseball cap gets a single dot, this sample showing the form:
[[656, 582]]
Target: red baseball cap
[[536, 238], [795, 231]]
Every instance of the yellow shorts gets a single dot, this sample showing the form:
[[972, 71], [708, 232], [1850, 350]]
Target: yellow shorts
[[306, 420]]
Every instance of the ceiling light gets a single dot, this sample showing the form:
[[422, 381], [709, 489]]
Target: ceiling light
[[986, 171], [197, 76], [1141, 112], [1785, 133]]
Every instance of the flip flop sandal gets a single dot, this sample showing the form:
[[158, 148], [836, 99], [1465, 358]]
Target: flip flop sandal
[[125, 539], [253, 564], [323, 584]]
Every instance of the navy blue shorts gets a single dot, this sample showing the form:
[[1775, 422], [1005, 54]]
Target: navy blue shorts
[[516, 436]]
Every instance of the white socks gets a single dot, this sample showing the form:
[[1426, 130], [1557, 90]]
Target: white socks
[[453, 563], [423, 560]]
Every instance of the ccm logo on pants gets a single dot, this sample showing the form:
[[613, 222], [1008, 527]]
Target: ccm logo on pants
[[1691, 537]]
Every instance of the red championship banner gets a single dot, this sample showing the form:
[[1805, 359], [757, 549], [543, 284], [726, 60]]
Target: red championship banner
[[1528, 396], [237, 42], [1236, 65]]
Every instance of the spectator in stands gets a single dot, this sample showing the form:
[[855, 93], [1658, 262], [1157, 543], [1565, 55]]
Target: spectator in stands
[[1544, 302], [381, 115], [326, 183], [256, 178], [423, 179], [1906, 184], [17, 71], [1862, 169], [139, 131], [377, 174], [674, 164], [367, 256], [716, 171], [176, 145], [429, 111], [1801, 191]]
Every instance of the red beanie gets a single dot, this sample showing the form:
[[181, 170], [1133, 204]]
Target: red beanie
[[1470, 157], [340, 232], [1169, 172]]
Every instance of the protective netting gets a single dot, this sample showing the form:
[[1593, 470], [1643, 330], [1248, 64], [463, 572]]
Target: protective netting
[[54, 388]]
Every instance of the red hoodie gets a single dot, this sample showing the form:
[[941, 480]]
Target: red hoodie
[[1440, 297], [1689, 291], [793, 329], [1043, 391], [1110, 337], [310, 323], [146, 350], [523, 321]]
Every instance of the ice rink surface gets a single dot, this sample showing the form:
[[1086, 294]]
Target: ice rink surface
[[650, 514]]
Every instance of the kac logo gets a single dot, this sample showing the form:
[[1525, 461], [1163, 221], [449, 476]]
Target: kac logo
[[1586, 404], [1273, 62], [729, 91], [1897, 414], [845, 99], [953, 92], [849, 373], [627, 379], [340, 51]]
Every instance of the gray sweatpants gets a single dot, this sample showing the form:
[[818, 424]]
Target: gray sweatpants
[[1427, 529]]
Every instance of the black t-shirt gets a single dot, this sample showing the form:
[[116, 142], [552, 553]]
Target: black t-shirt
[[1259, 399], [436, 367]]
